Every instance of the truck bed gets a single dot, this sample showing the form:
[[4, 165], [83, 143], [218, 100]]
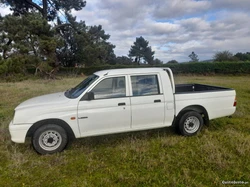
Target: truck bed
[[190, 88]]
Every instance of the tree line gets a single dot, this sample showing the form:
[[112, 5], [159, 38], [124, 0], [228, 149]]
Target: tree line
[[28, 39], [44, 35], [224, 56]]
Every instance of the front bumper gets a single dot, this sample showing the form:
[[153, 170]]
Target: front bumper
[[18, 132]]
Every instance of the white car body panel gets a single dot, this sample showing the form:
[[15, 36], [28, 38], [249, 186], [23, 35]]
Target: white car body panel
[[103, 116], [217, 104], [123, 114]]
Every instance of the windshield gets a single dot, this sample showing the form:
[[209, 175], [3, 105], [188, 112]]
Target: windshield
[[80, 88]]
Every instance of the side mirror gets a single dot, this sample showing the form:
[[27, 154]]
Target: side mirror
[[91, 96], [88, 96]]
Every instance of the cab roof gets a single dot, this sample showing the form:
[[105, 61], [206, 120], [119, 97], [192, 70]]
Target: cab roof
[[126, 71]]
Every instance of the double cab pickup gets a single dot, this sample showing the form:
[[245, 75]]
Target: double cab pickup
[[116, 101]]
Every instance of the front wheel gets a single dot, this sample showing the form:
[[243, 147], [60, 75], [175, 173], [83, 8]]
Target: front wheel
[[49, 139], [190, 123]]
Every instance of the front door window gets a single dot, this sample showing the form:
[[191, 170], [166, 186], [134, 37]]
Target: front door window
[[110, 88]]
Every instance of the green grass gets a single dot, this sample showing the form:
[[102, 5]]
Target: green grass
[[148, 158]]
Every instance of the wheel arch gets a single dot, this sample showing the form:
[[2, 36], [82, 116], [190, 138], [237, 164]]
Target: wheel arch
[[59, 122], [196, 108]]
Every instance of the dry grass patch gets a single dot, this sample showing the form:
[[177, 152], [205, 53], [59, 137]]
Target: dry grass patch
[[149, 158]]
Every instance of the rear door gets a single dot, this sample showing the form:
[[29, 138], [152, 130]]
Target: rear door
[[147, 101]]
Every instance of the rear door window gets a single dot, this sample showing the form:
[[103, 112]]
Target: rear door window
[[143, 85]]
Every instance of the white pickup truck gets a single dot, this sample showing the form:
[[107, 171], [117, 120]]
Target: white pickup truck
[[115, 101]]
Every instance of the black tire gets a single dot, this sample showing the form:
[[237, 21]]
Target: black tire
[[190, 123], [49, 139]]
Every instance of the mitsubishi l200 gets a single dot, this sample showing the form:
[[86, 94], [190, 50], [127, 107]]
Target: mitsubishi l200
[[116, 101]]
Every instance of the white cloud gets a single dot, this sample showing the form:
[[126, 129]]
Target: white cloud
[[173, 28], [180, 8], [160, 28], [4, 10], [231, 4]]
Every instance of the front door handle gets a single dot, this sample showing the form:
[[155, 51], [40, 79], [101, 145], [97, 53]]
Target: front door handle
[[85, 117], [157, 101], [121, 104]]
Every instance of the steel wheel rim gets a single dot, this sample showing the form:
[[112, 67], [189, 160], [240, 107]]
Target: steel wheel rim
[[50, 140], [191, 124]]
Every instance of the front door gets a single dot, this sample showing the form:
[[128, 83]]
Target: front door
[[109, 111]]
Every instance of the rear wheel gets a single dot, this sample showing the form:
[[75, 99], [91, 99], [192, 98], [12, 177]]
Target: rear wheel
[[50, 138], [190, 123]]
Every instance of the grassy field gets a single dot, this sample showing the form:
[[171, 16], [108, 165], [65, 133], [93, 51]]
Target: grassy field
[[149, 158]]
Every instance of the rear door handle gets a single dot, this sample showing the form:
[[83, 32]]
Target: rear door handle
[[121, 104], [157, 101]]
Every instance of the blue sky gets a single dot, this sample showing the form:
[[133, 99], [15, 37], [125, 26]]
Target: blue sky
[[173, 28]]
